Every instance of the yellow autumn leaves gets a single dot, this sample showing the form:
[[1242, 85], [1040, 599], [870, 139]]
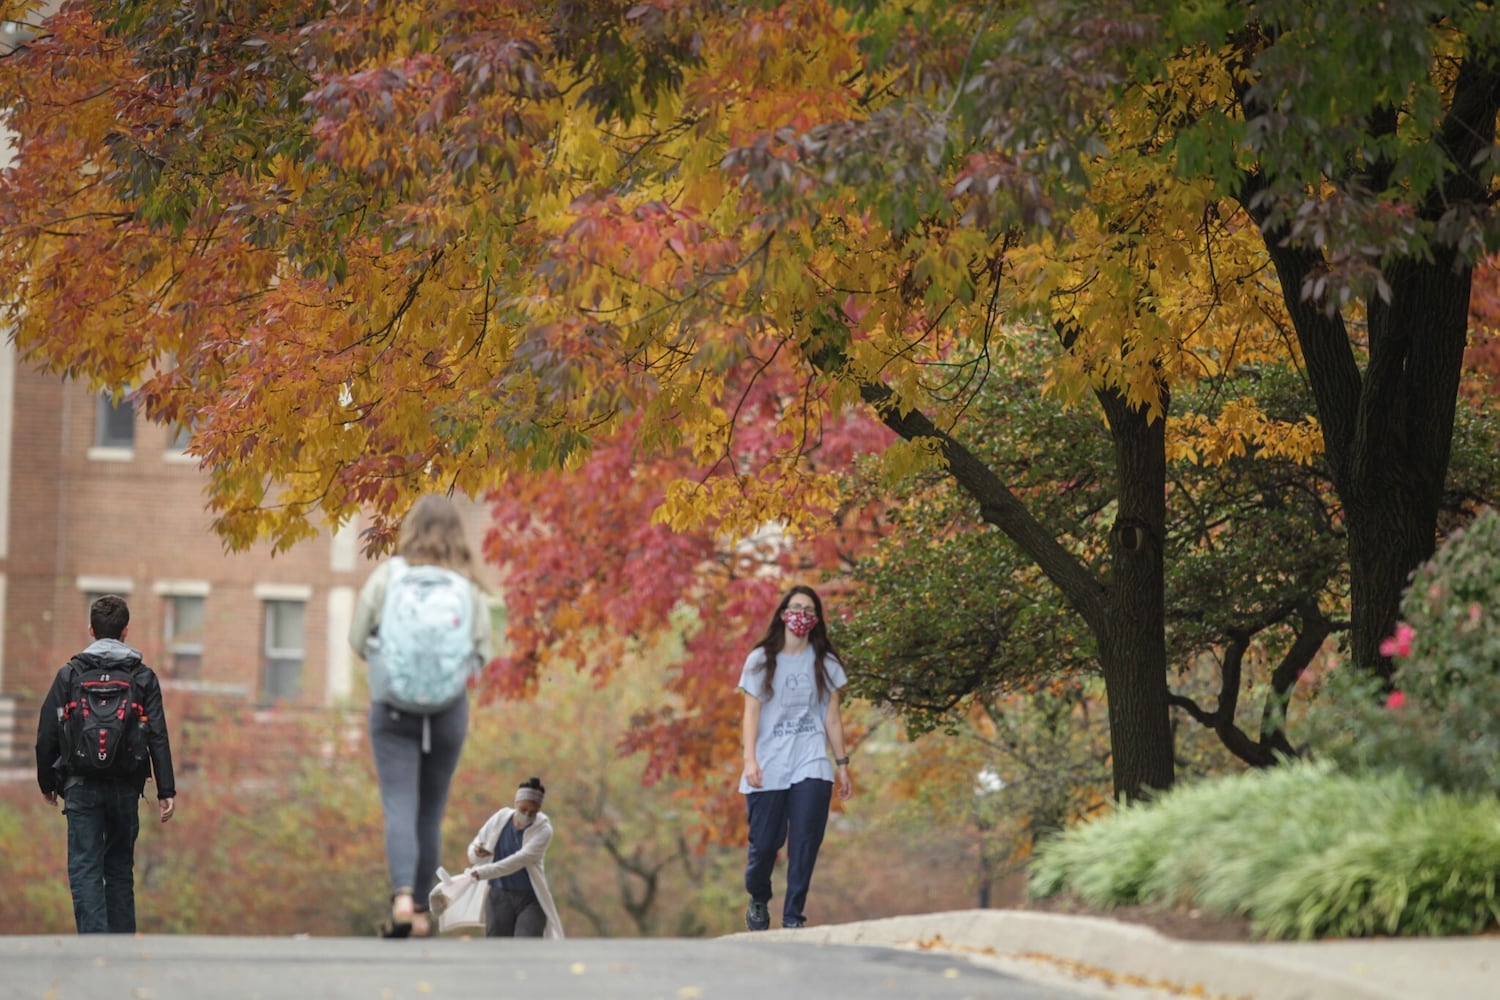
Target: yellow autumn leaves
[[453, 277]]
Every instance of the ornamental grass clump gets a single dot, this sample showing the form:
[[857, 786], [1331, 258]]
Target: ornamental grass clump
[[1304, 851], [1164, 849], [1427, 869], [1286, 811]]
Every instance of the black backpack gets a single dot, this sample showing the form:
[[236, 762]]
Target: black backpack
[[104, 722]]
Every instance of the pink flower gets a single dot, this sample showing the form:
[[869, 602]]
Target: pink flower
[[1400, 643], [1396, 700]]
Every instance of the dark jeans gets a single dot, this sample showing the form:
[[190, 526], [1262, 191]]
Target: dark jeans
[[103, 822], [796, 817], [513, 914], [414, 789]]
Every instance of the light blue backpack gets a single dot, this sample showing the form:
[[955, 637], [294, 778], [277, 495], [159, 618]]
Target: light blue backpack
[[423, 654]]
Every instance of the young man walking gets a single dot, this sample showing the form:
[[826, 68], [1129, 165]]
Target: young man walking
[[101, 734]]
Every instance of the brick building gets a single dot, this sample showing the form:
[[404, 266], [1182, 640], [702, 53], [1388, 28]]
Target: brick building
[[95, 499]]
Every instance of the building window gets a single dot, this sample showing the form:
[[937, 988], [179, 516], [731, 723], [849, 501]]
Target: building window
[[281, 672], [114, 425], [182, 618]]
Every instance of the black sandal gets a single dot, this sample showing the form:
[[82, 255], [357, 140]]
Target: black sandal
[[392, 928]]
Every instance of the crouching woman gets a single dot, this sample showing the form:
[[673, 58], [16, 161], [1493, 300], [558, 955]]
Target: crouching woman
[[508, 852]]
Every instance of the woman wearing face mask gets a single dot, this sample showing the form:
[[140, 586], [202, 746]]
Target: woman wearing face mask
[[508, 851], [791, 682]]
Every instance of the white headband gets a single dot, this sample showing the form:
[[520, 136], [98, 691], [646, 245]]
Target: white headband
[[528, 795]]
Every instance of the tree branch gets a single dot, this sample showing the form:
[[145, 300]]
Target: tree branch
[[998, 506]]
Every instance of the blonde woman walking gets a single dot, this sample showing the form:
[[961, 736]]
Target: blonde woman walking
[[417, 742]]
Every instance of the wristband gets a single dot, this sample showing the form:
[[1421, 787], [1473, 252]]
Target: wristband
[[841, 761]]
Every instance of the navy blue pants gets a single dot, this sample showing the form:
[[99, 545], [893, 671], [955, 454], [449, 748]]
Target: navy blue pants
[[103, 822], [796, 817]]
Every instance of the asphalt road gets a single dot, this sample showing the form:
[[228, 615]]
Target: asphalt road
[[221, 968]]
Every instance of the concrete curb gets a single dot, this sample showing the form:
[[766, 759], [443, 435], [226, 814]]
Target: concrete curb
[[1056, 947]]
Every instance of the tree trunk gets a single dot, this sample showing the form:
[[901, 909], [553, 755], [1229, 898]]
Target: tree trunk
[[1132, 645], [1387, 431], [1127, 617], [1384, 547], [1397, 462]]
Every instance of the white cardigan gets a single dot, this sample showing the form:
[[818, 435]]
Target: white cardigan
[[534, 841]]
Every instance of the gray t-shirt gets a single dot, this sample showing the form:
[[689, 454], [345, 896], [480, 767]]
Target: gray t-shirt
[[792, 741]]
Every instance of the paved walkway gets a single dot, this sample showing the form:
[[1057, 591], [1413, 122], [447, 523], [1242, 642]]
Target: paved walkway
[[1126, 961], [940, 956], [184, 967]]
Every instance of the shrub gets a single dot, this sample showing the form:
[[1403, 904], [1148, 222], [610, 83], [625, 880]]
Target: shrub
[[1441, 723]]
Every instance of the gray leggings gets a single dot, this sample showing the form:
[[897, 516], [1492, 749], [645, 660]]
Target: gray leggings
[[514, 914], [414, 789]]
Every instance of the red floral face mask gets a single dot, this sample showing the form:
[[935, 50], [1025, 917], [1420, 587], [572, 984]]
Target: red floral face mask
[[799, 622]]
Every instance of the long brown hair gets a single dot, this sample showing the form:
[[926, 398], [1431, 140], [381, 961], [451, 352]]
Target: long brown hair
[[432, 534], [774, 642]]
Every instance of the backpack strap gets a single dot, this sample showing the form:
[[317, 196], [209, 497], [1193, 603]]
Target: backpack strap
[[398, 565], [69, 703], [395, 567]]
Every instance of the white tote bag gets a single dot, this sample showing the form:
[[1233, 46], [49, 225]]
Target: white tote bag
[[458, 902]]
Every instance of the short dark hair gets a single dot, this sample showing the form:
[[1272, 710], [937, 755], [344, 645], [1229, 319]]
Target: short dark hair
[[108, 616]]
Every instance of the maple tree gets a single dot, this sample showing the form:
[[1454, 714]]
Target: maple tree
[[333, 247], [363, 250], [949, 617], [1369, 174], [251, 181], [1364, 254]]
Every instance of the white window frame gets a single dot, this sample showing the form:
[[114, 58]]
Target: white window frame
[[181, 653], [171, 591], [278, 660], [98, 586]]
